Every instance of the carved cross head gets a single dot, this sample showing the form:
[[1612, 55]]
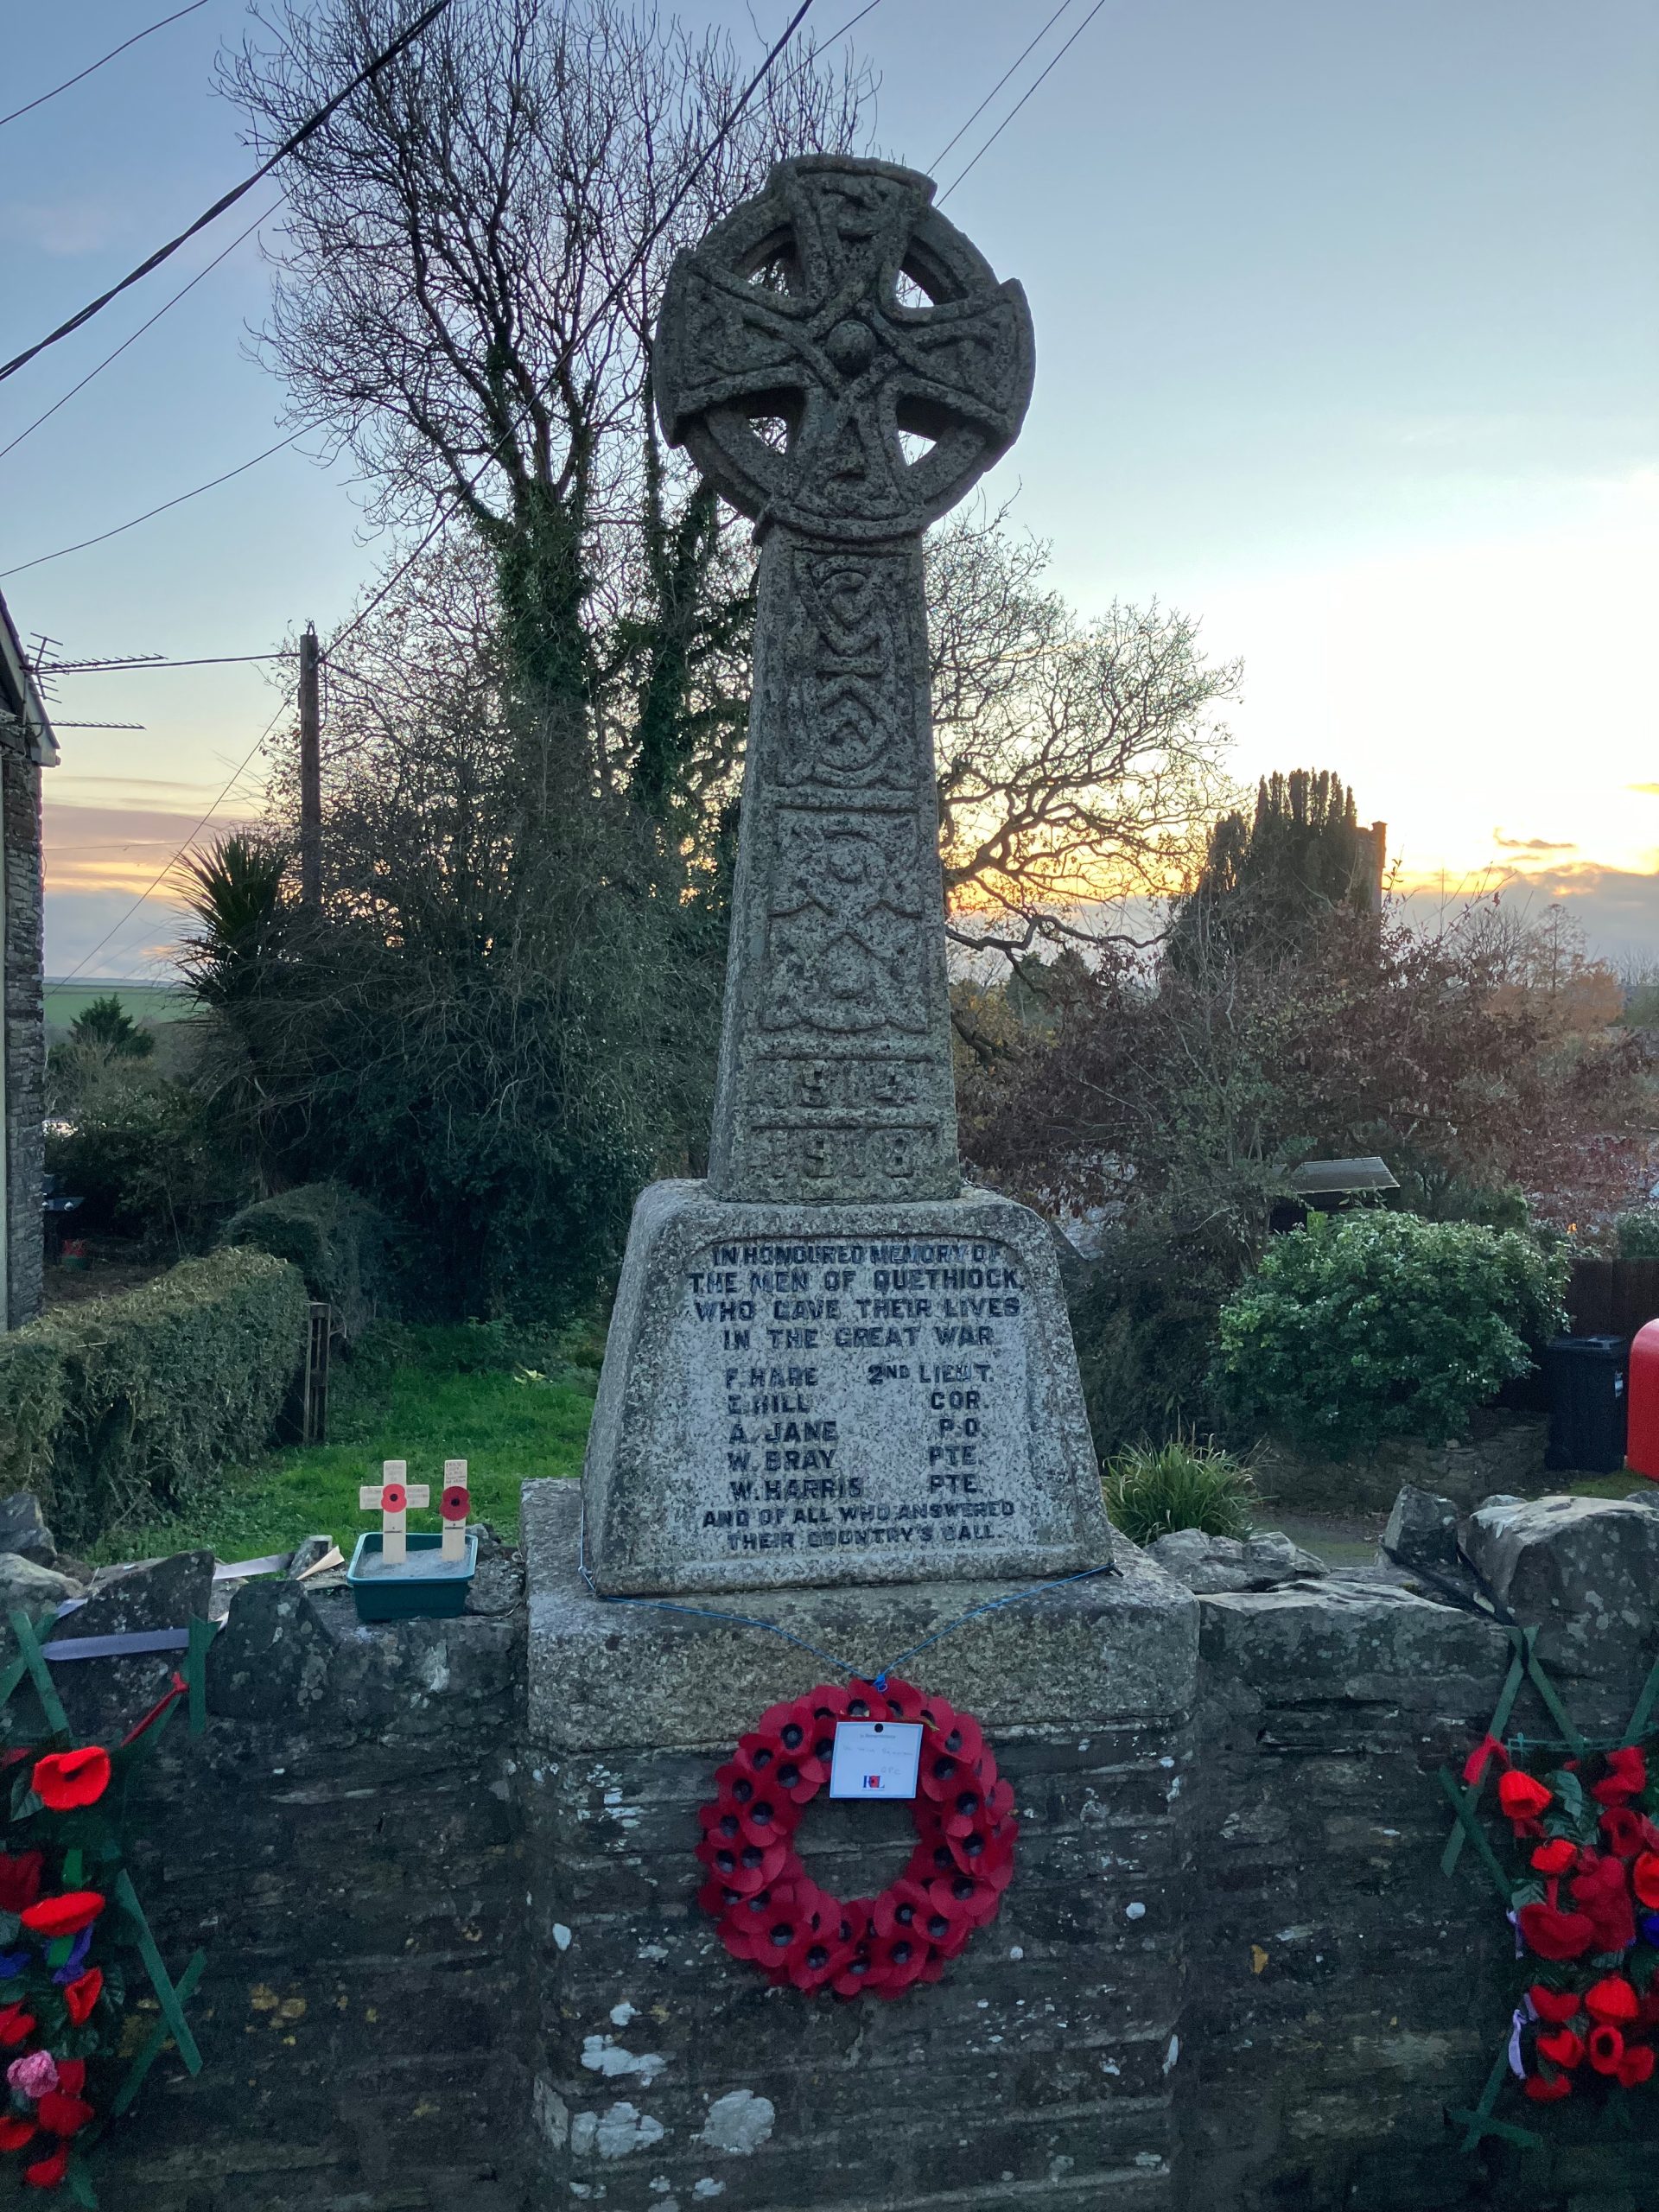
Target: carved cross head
[[837, 357]]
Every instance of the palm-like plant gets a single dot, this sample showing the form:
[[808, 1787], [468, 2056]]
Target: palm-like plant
[[234, 887]]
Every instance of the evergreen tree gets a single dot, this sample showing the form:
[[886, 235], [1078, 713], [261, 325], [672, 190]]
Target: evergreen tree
[[1265, 884]]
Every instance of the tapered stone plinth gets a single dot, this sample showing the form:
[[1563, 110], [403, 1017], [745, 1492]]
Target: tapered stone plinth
[[838, 1394]]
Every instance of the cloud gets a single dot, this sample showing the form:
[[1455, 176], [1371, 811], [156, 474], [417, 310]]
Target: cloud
[[1616, 908], [1529, 844], [110, 849], [64, 228], [1650, 790]]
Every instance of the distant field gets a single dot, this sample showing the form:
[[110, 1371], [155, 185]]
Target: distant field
[[151, 1002]]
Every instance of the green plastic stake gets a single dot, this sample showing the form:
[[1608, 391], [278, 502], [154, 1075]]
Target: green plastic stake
[[195, 1672], [1644, 1706], [51, 1704], [156, 2043], [1480, 2122], [80, 2183], [1525, 1639], [1471, 1795], [1468, 1825], [172, 2009]]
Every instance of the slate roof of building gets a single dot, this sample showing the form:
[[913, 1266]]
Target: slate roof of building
[[1315, 1177]]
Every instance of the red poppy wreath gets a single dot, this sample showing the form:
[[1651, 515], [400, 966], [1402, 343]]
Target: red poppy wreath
[[771, 1912]]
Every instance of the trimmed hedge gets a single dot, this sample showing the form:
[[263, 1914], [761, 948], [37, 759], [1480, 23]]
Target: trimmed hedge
[[337, 1240], [123, 1406]]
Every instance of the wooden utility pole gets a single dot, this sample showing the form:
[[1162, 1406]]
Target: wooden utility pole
[[310, 771]]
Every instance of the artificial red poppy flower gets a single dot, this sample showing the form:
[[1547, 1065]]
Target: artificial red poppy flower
[[1487, 1749], [1626, 1776], [65, 1780], [47, 2173], [72, 2076], [15, 2131], [20, 1879], [1612, 2000], [1522, 1798], [1555, 1935], [1604, 2048], [81, 1994], [60, 2114], [1637, 2065], [1548, 2088], [1562, 2048], [1644, 1878], [896, 1912], [1600, 1890], [899, 1958], [1627, 1832], [905, 1702], [16, 2026], [744, 1867], [965, 1900], [959, 1734], [64, 1915], [1557, 2005], [1556, 1856]]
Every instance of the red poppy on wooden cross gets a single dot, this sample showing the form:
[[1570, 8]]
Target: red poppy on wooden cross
[[391, 1498], [454, 1506]]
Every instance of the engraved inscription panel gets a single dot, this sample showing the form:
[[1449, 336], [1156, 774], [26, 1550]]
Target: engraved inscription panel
[[848, 1394]]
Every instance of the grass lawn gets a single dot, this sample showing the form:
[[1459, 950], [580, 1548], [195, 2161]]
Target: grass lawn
[[420, 1396]]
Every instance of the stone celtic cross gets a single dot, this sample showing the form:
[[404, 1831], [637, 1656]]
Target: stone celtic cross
[[842, 365]]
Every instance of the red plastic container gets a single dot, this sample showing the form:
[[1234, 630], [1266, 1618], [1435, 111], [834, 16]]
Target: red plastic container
[[1642, 1441]]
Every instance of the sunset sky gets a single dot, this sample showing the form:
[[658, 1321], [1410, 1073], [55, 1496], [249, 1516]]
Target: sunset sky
[[1346, 325]]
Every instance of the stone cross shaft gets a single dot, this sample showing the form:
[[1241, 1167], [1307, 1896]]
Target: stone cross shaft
[[843, 366]]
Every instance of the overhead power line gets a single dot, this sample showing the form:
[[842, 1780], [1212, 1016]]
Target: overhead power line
[[195, 492], [296, 138], [29, 106], [635, 263], [240, 469], [1021, 102], [166, 869], [998, 85], [204, 271]]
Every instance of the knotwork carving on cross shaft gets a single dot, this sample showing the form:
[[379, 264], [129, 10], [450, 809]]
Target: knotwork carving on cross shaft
[[794, 313], [851, 690]]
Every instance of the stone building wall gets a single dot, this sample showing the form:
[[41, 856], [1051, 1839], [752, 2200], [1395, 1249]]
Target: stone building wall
[[24, 1031], [443, 1873]]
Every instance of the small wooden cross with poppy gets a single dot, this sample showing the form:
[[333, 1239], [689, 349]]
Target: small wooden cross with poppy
[[453, 1505], [391, 1498]]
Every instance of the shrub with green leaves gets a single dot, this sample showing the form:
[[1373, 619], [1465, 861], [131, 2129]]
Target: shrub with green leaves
[[1366, 1326], [337, 1240], [1152, 1490], [118, 1408], [1638, 1234]]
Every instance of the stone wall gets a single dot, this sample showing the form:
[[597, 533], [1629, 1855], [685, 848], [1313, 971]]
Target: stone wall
[[1504, 1452], [344, 1844], [443, 1873], [24, 1033]]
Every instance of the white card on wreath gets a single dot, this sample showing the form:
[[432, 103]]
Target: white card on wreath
[[875, 1758]]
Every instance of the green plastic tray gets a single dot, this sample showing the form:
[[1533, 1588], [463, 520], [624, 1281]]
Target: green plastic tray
[[425, 1588]]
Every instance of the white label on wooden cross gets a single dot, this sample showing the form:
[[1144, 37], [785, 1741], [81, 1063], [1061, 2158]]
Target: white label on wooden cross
[[455, 1505], [391, 1498]]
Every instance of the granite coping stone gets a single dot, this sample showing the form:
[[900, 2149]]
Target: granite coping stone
[[657, 1675]]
